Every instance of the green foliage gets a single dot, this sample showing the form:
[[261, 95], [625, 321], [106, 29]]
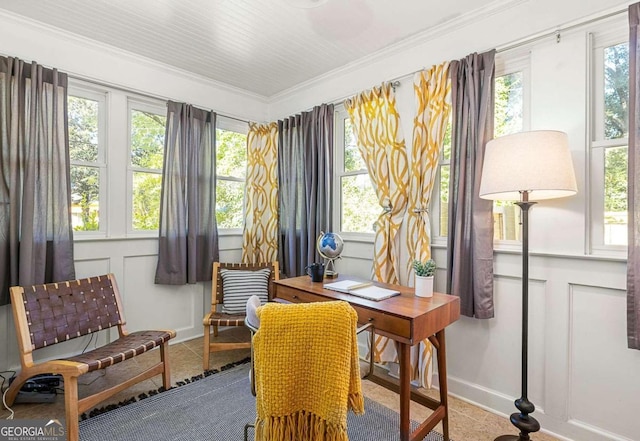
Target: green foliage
[[508, 109], [147, 139], [83, 149], [147, 153], [231, 166], [424, 269], [616, 91], [615, 180], [360, 206], [231, 154], [147, 188], [352, 157]]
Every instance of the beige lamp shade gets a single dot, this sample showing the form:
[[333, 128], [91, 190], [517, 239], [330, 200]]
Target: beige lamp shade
[[538, 162]]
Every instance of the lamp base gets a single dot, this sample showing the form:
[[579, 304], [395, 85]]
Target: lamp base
[[525, 423]]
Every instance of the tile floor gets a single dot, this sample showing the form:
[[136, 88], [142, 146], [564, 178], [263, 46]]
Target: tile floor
[[467, 422]]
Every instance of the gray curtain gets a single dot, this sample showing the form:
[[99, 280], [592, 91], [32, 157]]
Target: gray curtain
[[305, 168], [633, 262], [36, 238], [470, 230], [188, 242]]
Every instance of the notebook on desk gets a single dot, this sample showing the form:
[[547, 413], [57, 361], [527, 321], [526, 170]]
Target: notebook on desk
[[366, 290]]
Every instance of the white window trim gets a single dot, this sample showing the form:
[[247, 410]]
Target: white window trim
[[605, 35]]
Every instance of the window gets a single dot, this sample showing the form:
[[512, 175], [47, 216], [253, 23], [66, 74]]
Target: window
[[508, 119], [86, 113], [359, 206], [146, 145], [445, 158], [608, 155], [231, 166]]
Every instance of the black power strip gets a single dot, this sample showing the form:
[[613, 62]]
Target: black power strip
[[43, 383]]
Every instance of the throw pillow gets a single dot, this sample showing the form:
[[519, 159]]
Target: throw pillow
[[239, 285]]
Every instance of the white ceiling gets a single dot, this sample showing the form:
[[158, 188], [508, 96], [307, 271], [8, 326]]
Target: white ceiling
[[263, 46]]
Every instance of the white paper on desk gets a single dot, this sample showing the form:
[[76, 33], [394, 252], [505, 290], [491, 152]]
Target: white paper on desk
[[346, 285], [362, 289], [374, 292]]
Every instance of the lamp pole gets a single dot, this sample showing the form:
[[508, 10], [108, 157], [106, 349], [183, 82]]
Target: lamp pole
[[522, 420]]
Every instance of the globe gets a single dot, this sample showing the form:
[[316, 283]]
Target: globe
[[330, 246]]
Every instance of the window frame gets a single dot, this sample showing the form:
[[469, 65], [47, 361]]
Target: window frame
[[101, 96], [606, 35], [232, 125], [340, 115], [505, 65], [158, 107]]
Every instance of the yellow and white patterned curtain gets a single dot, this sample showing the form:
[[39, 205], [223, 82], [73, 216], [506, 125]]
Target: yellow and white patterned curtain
[[260, 235], [432, 89], [381, 142]]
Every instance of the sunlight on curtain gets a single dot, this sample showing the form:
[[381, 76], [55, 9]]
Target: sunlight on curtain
[[36, 238], [432, 89], [381, 142], [377, 127], [260, 235]]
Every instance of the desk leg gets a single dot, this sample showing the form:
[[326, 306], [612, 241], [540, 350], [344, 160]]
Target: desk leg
[[404, 356], [442, 379]]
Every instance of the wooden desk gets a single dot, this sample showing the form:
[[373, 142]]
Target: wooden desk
[[407, 320]]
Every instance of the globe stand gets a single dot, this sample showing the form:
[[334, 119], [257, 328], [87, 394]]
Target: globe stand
[[330, 269], [329, 247]]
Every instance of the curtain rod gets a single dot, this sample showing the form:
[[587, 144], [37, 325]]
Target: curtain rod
[[558, 31], [395, 82]]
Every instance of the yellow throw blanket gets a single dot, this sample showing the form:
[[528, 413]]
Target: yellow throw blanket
[[307, 371]]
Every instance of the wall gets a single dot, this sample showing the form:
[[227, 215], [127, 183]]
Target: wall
[[581, 374], [579, 365]]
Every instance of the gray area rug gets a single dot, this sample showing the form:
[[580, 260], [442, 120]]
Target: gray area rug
[[216, 408]]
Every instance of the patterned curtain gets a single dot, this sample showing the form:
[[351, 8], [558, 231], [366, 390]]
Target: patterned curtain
[[633, 260], [260, 235], [433, 101], [188, 234], [377, 128], [36, 239]]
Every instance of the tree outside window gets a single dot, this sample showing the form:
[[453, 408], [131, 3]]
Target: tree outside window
[[85, 160], [359, 204], [616, 120], [231, 166], [147, 155]]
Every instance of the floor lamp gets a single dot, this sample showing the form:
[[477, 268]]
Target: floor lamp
[[526, 167]]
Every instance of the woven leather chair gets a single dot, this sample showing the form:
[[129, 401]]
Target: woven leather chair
[[216, 317], [45, 315]]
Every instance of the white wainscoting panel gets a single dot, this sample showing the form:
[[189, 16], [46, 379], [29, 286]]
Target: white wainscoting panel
[[603, 371], [151, 306]]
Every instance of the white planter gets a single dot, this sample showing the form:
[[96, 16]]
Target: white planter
[[424, 286]]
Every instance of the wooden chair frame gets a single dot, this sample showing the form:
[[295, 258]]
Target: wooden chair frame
[[68, 297], [215, 318]]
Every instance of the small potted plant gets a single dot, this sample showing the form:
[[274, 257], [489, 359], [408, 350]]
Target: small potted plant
[[424, 272]]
